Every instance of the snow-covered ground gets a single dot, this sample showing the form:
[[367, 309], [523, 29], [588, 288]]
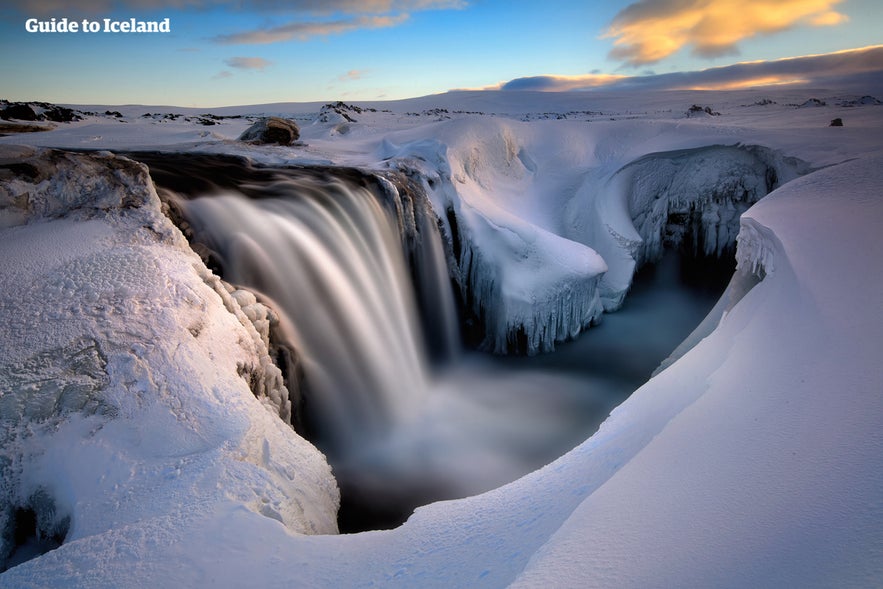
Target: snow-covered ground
[[754, 459]]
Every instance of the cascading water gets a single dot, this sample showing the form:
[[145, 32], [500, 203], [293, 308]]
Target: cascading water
[[331, 260]]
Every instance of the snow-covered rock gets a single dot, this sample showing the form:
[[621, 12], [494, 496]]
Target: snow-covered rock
[[524, 286], [272, 130], [126, 364]]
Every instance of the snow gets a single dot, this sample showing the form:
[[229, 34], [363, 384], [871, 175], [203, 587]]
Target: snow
[[754, 458]]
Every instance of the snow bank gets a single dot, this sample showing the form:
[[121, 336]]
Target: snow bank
[[784, 396], [129, 372]]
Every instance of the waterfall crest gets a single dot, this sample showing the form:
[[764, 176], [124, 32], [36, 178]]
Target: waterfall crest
[[330, 256]]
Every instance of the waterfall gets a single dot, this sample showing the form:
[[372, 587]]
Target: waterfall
[[329, 255], [355, 266]]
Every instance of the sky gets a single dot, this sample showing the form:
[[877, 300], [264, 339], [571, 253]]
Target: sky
[[233, 52]]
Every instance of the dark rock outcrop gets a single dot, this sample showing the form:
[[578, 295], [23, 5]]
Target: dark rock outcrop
[[19, 111], [272, 130]]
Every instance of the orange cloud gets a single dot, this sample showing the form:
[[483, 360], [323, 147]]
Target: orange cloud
[[650, 30], [758, 82]]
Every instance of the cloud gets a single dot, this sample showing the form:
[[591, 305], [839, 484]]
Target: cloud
[[248, 63], [650, 30], [854, 68], [351, 75], [222, 74], [302, 31], [551, 83]]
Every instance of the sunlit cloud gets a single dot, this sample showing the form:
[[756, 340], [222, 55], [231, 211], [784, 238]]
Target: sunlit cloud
[[301, 31], [837, 68], [561, 83], [248, 63], [759, 82], [552, 83], [650, 30]]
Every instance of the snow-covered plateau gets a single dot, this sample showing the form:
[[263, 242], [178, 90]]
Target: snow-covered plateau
[[144, 436]]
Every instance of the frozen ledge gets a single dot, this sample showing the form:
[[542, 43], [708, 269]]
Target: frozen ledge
[[526, 289]]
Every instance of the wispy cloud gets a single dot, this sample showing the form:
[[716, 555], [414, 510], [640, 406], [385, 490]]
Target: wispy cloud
[[248, 63], [853, 67], [301, 31], [351, 75], [650, 30], [222, 74]]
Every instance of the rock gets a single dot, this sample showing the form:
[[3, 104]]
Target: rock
[[864, 100], [838, 122], [22, 112], [813, 102], [61, 114], [272, 130], [697, 110]]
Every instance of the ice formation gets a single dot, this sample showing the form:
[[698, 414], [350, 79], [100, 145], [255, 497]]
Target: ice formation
[[691, 199], [523, 287]]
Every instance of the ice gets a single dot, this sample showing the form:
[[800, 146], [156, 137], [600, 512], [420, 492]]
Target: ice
[[690, 199]]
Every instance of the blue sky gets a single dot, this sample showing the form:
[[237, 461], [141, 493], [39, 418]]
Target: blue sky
[[226, 52]]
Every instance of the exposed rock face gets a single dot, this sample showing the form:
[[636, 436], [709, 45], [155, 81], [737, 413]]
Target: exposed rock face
[[21, 112], [697, 110], [37, 111], [272, 130]]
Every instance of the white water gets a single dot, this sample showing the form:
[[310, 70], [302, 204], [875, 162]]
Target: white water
[[332, 263]]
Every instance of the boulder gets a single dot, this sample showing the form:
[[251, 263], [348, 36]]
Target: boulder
[[272, 130], [20, 111]]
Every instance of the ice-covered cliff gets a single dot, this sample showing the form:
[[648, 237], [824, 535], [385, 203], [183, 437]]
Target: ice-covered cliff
[[690, 199], [546, 238], [126, 365]]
